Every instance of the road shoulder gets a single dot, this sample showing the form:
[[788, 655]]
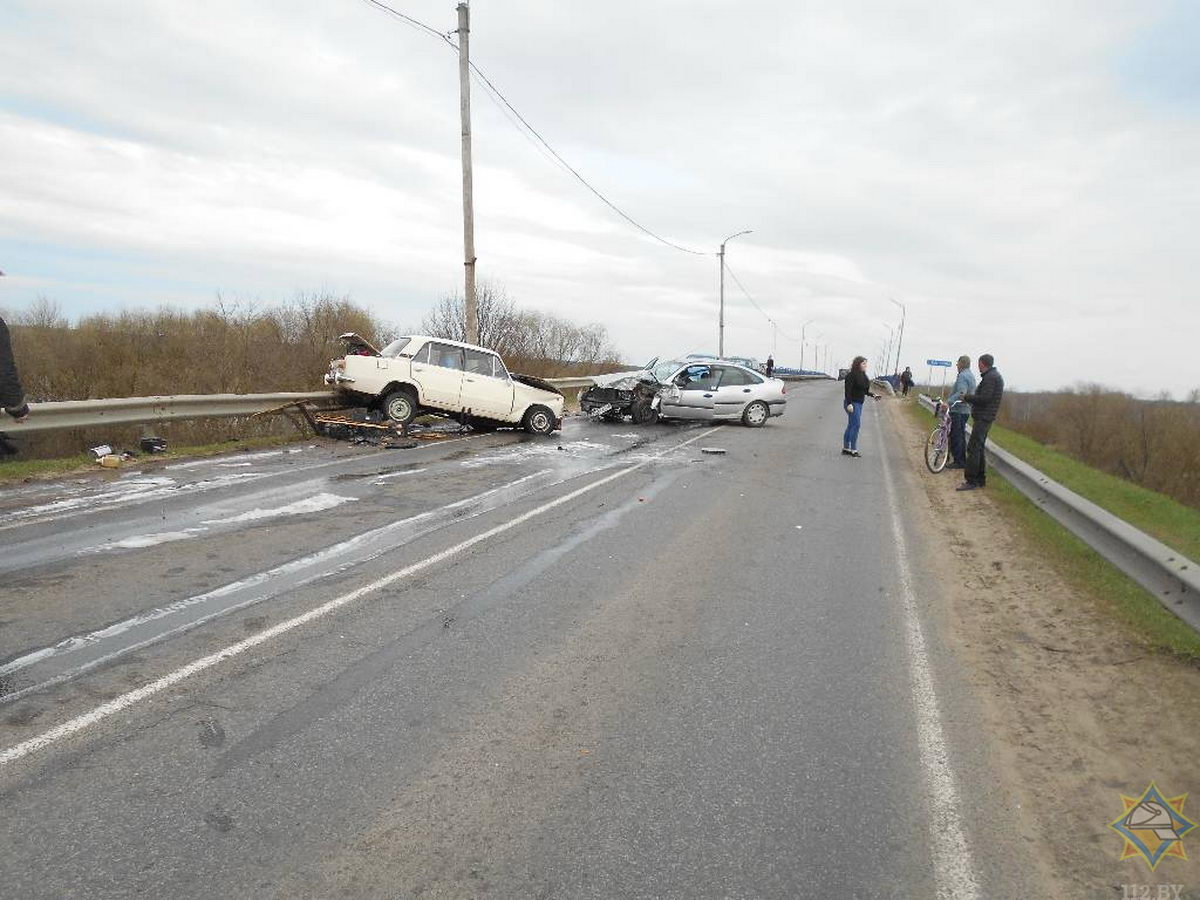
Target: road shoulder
[[1078, 711]]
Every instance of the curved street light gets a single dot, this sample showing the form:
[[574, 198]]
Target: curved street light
[[900, 342], [721, 308], [802, 330]]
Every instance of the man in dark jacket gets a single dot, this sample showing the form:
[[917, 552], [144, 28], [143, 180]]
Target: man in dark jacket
[[985, 404], [12, 397]]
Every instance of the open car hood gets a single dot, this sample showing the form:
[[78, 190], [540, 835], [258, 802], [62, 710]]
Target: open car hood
[[357, 345], [534, 382]]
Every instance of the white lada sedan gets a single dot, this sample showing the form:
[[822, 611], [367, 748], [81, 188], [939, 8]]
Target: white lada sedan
[[419, 374]]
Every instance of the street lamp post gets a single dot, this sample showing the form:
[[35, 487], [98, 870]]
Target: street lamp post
[[802, 330], [900, 342], [721, 308]]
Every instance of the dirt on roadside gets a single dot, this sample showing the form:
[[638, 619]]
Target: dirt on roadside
[[1081, 709]]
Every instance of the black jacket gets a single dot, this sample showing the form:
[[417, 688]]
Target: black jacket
[[12, 397], [985, 402], [858, 386]]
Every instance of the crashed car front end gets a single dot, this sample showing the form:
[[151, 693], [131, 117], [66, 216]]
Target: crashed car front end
[[616, 398]]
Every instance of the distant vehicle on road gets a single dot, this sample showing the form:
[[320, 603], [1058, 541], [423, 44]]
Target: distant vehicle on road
[[744, 361], [419, 374], [687, 389]]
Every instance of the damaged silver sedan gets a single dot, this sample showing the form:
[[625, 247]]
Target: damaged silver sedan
[[714, 390]]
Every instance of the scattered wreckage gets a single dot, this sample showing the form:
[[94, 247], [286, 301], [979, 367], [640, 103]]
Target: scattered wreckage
[[717, 390], [418, 375]]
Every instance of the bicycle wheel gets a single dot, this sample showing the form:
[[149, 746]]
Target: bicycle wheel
[[936, 451]]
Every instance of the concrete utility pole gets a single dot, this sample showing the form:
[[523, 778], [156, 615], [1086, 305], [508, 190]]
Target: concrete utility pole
[[721, 307], [900, 343], [464, 94]]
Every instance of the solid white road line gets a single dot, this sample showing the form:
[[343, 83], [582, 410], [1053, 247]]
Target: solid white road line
[[79, 723], [954, 871]]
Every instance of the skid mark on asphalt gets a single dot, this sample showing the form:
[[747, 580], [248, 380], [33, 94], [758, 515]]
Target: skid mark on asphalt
[[381, 664], [132, 698]]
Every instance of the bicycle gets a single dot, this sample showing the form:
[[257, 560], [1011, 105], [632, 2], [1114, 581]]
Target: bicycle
[[937, 445]]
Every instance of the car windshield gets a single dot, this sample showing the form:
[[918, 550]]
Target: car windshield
[[394, 348], [663, 371]]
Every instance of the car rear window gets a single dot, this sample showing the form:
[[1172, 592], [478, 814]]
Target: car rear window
[[394, 348]]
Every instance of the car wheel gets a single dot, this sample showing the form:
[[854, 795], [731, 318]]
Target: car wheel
[[400, 406], [642, 413], [756, 414], [538, 420]]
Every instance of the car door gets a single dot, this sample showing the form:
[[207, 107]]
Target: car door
[[693, 393], [734, 390], [438, 369], [487, 390]]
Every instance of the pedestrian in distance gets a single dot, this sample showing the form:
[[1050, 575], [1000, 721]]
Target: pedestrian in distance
[[906, 379], [985, 404], [12, 396], [960, 411], [858, 388], [770, 366]]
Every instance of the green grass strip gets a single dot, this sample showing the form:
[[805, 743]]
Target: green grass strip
[[1173, 523], [1086, 570]]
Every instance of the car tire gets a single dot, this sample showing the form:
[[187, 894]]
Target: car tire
[[755, 414], [642, 413], [400, 406], [538, 420]]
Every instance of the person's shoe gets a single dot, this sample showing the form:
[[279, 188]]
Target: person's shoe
[[855, 454], [968, 486], [846, 451]]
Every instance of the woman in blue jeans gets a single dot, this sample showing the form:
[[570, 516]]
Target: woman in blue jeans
[[858, 388]]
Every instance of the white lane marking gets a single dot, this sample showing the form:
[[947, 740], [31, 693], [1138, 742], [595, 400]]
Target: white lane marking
[[126, 700], [382, 478], [320, 560], [954, 870], [316, 503], [142, 541]]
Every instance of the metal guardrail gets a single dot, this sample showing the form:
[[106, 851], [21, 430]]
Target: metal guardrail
[[1167, 574], [136, 410], [133, 410]]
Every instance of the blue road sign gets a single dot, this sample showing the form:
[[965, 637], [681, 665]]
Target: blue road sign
[[938, 362]]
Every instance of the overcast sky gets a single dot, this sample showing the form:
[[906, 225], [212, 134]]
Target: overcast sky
[[1024, 176]]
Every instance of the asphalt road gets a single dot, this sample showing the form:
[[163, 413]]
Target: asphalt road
[[602, 665]]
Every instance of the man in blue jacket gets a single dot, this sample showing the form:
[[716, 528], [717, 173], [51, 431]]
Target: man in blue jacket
[[960, 411], [985, 404]]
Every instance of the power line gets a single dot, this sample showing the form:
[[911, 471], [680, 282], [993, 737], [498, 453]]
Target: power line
[[410, 20], [754, 303], [581, 179], [495, 94]]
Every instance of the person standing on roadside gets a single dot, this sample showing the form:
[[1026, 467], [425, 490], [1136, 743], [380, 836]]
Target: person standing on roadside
[[12, 397], [985, 404], [858, 388], [906, 379], [960, 411], [770, 366]]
